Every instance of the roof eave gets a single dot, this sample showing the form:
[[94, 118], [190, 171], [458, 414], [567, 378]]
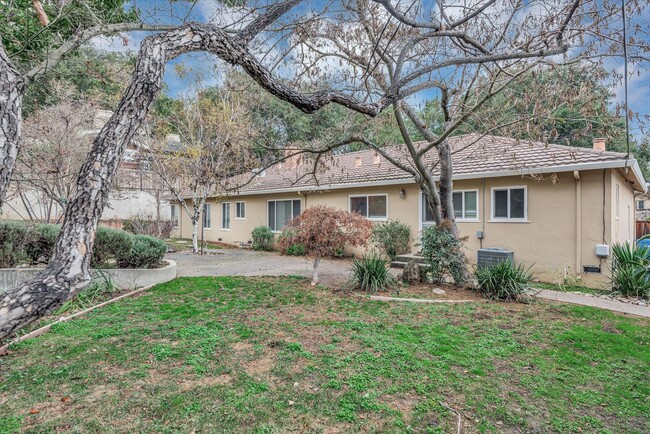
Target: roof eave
[[612, 164]]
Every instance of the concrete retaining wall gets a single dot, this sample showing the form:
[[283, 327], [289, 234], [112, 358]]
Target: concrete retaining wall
[[121, 277]]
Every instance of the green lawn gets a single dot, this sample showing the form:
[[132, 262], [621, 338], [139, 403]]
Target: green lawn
[[275, 355]]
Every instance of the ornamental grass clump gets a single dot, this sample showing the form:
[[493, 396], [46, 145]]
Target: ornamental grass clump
[[371, 274], [504, 281], [631, 270]]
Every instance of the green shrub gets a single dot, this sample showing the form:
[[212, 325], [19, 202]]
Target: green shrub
[[145, 252], [110, 244], [14, 237], [296, 250], [40, 246], [371, 274], [631, 270], [503, 281], [444, 254], [392, 238], [262, 237]]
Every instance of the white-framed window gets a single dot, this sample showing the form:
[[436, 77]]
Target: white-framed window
[[225, 216], [281, 212], [465, 205], [510, 203], [371, 206], [240, 210], [640, 204], [618, 201], [174, 215], [207, 216]]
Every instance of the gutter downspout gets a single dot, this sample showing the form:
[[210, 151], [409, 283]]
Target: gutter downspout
[[576, 175]]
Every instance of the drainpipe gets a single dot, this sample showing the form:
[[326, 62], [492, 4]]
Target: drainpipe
[[576, 175], [483, 209]]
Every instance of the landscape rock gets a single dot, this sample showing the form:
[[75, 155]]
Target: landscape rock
[[412, 273]]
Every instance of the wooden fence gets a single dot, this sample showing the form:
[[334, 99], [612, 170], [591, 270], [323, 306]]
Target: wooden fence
[[642, 228]]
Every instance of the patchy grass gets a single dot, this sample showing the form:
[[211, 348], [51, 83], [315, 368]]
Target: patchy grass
[[274, 354]]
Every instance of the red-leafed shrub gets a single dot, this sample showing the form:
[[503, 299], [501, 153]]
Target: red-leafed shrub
[[324, 230]]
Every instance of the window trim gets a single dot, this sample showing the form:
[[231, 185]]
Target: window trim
[[372, 219], [206, 206], [223, 215], [638, 203], [175, 223], [618, 202], [283, 200], [244, 203], [478, 206], [509, 219]]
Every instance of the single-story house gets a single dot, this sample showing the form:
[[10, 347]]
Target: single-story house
[[558, 208]]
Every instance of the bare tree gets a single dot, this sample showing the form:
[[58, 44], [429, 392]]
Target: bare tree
[[214, 143], [55, 143]]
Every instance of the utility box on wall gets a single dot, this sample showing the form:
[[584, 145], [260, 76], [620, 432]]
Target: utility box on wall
[[490, 256]]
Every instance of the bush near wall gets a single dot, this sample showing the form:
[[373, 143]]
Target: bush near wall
[[40, 246], [262, 237], [147, 224], [14, 237], [145, 252], [392, 238], [21, 243], [110, 245]]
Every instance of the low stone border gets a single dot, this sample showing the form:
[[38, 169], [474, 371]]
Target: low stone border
[[123, 278], [421, 300], [4, 350]]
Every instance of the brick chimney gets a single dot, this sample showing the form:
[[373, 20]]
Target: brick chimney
[[599, 144], [357, 162], [376, 160]]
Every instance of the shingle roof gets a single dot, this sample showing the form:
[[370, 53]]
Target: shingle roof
[[473, 156]]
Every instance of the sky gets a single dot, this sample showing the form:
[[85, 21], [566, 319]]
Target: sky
[[203, 65]]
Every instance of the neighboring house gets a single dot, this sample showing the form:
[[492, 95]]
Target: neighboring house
[[551, 205], [642, 207], [136, 190]]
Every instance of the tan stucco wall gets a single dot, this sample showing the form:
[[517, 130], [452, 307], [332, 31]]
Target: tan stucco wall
[[553, 240]]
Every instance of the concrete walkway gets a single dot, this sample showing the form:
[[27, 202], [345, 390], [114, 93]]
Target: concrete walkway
[[334, 273], [243, 262], [585, 300]]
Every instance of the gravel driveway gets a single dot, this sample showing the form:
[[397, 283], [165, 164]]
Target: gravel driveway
[[242, 262]]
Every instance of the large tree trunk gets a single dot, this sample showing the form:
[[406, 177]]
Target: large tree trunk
[[12, 88], [68, 271]]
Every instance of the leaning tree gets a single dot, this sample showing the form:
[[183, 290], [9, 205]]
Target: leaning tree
[[387, 53]]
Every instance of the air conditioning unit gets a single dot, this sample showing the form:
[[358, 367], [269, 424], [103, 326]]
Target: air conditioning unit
[[490, 256]]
